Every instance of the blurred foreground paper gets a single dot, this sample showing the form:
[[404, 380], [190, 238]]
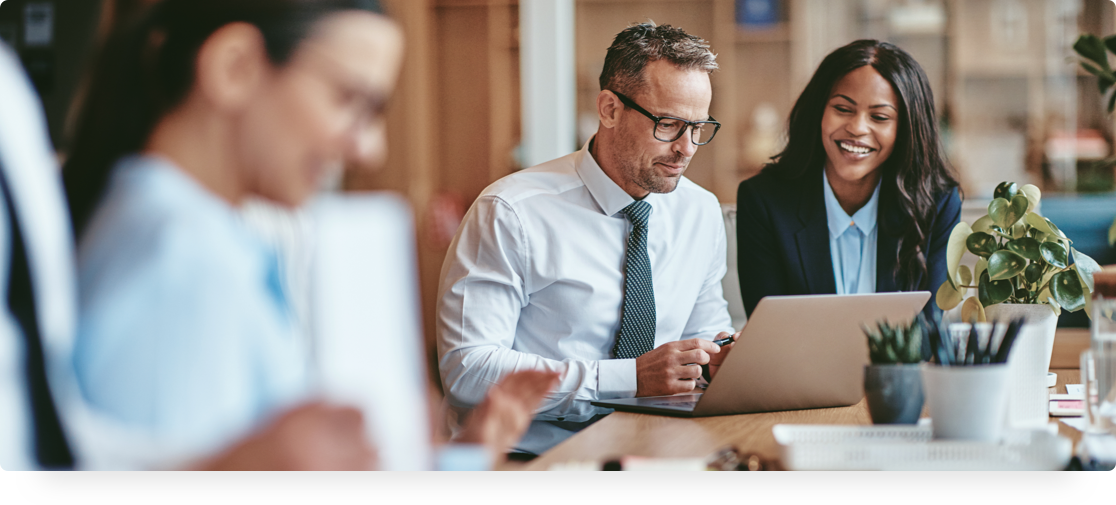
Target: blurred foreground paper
[[367, 329]]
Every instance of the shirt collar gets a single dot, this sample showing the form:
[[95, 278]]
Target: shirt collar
[[839, 220], [189, 193], [610, 197]]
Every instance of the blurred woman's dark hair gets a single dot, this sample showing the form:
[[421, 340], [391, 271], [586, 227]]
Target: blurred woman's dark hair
[[914, 176], [146, 68]]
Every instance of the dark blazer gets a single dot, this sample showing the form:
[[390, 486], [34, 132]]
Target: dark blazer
[[782, 238]]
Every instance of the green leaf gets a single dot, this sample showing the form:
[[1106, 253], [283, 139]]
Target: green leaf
[[1044, 225], [1104, 82], [1019, 230], [997, 210], [1004, 264], [1110, 43], [981, 244], [1104, 79], [1054, 253], [948, 296], [1006, 190], [914, 345], [1067, 290], [965, 276], [1026, 247], [991, 292], [981, 267], [1005, 213], [1112, 233], [956, 248], [1092, 48], [1034, 195], [1053, 305], [1085, 267], [1019, 206], [1045, 293], [971, 308], [1054, 228], [1033, 272], [984, 224], [1004, 234]]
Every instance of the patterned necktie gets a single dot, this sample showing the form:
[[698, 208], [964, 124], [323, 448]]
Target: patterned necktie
[[51, 447], [637, 321]]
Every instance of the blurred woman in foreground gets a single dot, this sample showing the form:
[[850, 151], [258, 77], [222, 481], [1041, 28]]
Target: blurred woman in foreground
[[185, 331]]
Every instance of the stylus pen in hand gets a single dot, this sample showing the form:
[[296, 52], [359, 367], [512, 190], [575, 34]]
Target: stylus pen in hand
[[705, 368], [723, 342]]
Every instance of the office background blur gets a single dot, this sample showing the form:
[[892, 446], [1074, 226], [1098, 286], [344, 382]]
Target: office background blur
[[1012, 101]]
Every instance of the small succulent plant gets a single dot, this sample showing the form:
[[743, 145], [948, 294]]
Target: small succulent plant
[[893, 344]]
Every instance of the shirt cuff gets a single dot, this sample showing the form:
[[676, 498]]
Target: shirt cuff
[[616, 378]]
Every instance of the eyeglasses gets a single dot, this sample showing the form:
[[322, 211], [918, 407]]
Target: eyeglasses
[[669, 129], [362, 106]]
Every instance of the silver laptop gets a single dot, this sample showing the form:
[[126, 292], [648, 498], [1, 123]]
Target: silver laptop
[[796, 352]]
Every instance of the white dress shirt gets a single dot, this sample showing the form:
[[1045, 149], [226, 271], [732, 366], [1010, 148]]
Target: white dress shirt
[[852, 241], [534, 280], [33, 179]]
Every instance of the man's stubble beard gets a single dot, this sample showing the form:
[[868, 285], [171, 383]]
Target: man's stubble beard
[[646, 178], [653, 183]]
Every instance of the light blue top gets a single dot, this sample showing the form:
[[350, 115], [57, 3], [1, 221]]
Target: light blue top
[[852, 242], [184, 329]]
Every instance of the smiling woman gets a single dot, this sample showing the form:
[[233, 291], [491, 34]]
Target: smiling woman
[[862, 198]]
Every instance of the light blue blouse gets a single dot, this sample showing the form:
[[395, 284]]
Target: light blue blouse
[[852, 242], [184, 331]]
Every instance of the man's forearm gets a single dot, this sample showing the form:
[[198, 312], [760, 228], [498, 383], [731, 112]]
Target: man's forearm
[[469, 374]]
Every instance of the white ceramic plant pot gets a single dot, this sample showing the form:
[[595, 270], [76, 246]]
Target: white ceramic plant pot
[[966, 402], [1040, 315], [1029, 361]]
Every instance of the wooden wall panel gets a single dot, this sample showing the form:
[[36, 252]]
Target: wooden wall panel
[[453, 123]]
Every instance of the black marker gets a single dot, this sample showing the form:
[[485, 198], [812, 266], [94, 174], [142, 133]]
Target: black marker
[[705, 368], [722, 342]]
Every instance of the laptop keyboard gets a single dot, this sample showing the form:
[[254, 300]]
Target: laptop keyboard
[[689, 404]]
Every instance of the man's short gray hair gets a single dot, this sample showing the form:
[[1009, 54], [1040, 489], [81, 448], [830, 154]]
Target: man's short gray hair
[[636, 46]]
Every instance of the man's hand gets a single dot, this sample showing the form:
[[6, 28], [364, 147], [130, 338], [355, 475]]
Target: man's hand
[[671, 368], [716, 360], [314, 436], [502, 418]]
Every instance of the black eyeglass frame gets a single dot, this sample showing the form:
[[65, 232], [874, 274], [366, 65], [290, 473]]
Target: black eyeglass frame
[[628, 102]]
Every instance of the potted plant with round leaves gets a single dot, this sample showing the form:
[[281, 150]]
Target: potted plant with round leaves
[[1026, 266]]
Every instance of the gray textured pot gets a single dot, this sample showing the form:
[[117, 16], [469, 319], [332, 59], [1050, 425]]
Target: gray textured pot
[[894, 393]]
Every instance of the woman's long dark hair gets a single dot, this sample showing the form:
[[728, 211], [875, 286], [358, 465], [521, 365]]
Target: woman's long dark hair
[[913, 176], [146, 68]]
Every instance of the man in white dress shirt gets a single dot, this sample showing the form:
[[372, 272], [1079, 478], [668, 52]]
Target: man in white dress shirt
[[604, 265]]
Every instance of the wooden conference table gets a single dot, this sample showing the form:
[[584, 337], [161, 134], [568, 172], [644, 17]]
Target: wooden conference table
[[629, 434]]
